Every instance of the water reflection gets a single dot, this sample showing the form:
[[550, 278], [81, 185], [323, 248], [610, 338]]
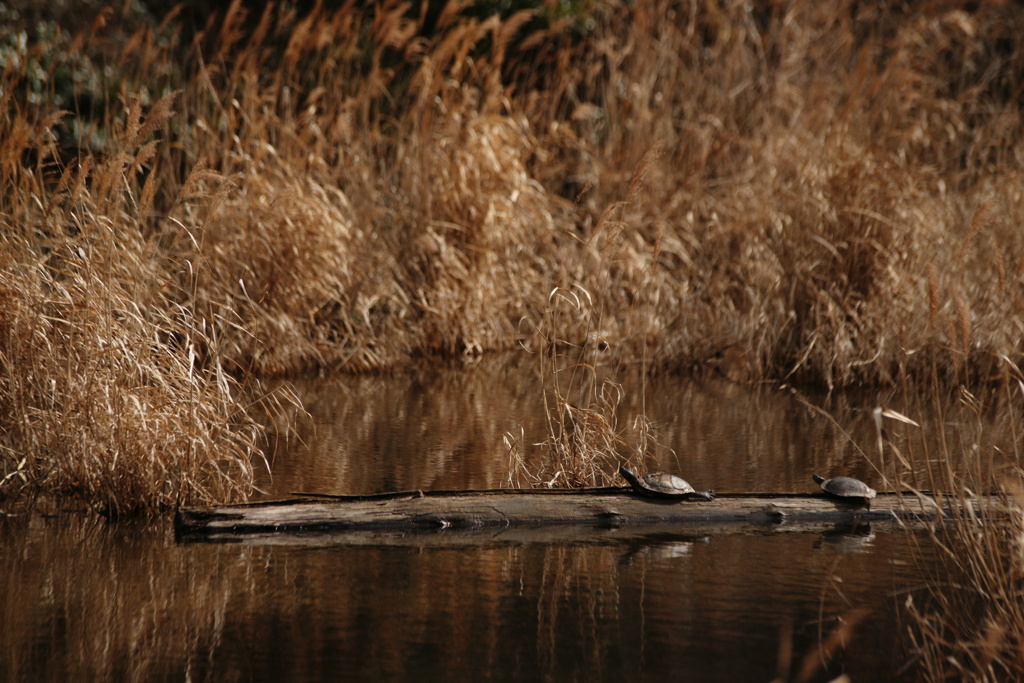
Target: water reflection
[[114, 603], [442, 427], [83, 600], [436, 427], [847, 539]]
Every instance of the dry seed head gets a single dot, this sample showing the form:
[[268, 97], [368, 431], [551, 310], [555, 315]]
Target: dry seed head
[[964, 315], [1000, 267], [980, 220], [933, 295]]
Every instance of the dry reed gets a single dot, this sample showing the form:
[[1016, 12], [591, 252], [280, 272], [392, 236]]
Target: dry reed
[[828, 194], [824, 192], [405, 185], [111, 392], [584, 445], [968, 623]]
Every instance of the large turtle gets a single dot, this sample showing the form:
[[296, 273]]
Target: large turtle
[[663, 485], [846, 487]]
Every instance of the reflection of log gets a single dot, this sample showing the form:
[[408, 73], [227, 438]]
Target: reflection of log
[[494, 511]]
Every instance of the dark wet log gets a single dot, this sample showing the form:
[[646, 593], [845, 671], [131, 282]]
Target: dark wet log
[[490, 511]]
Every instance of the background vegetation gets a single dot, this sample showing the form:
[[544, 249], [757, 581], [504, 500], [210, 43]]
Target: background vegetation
[[823, 194], [192, 199]]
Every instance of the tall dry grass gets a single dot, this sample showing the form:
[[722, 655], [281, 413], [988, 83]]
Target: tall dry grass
[[111, 389], [967, 621], [585, 442], [826, 194]]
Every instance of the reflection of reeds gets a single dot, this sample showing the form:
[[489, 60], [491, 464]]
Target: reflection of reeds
[[818, 658], [123, 602]]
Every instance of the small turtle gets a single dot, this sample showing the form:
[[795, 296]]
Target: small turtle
[[662, 485], [846, 487]]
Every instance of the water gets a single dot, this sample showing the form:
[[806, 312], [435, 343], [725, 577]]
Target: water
[[443, 428], [85, 600]]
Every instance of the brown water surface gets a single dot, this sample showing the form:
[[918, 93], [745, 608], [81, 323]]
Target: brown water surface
[[86, 600], [442, 427]]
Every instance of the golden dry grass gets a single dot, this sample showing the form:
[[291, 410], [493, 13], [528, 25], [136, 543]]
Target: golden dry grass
[[584, 444], [967, 622], [832, 190], [827, 194], [819, 192], [112, 391]]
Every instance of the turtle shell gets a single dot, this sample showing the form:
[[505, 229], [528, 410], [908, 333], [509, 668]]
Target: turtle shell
[[845, 487], [663, 485]]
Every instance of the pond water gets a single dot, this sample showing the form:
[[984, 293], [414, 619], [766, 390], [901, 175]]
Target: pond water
[[89, 601], [85, 600]]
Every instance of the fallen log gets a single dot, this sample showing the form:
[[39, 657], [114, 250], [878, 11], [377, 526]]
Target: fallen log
[[610, 508]]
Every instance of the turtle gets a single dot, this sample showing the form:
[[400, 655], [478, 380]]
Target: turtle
[[846, 487], [663, 485]]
